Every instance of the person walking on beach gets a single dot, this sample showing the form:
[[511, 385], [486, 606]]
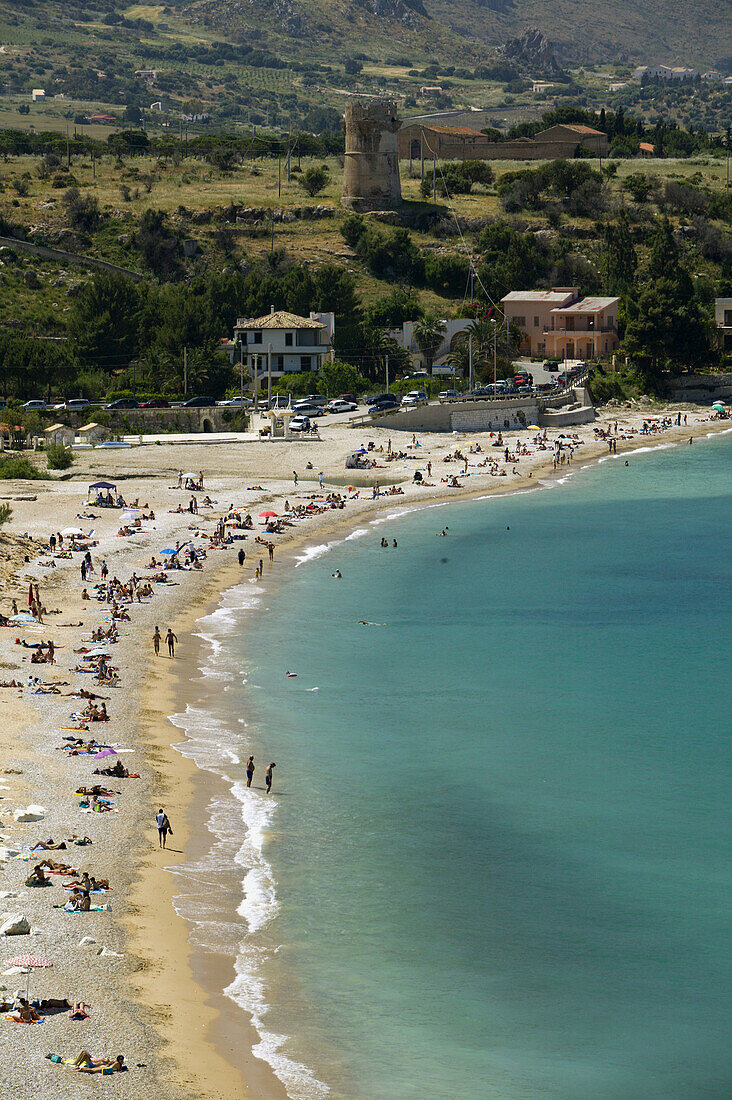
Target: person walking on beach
[[241, 556], [164, 827], [250, 771], [83, 571], [268, 776], [157, 636], [171, 640], [270, 550], [320, 479], [294, 477]]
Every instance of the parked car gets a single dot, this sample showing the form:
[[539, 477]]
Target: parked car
[[155, 403], [448, 395], [524, 391], [385, 402], [281, 401], [339, 406], [199, 403], [316, 399], [300, 424], [418, 374], [35, 403], [237, 402], [76, 403], [123, 403], [306, 408], [523, 378], [551, 365], [415, 397], [544, 387], [348, 397], [377, 397]]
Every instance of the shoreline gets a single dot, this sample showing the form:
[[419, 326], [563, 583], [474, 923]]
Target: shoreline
[[161, 999], [333, 529]]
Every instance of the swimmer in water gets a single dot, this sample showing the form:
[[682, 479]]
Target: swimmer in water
[[337, 574], [288, 673], [365, 622]]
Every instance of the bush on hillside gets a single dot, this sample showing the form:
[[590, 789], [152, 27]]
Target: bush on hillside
[[19, 468]]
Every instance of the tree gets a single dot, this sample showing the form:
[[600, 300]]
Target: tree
[[314, 180], [392, 309], [83, 210], [160, 247], [429, 333], [665, 322], [619, 261], [104, 319], [352, 66], [337, 377]]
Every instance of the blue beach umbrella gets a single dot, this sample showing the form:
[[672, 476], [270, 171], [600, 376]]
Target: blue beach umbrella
[[169, 551]]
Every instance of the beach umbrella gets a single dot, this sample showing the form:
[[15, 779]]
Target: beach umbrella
[[23, 617], [103, 753], [719, 406], [351, 489], [73, 531], [169, 551], [267, 515], [103, 485], [127, 516], [192, 475], [28, 963]]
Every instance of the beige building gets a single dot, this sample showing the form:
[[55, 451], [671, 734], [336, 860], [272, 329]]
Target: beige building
[[559, 324], [723, 320], [59, 433], [419, 140]]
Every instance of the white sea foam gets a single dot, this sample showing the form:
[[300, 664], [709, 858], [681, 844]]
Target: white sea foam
[[312, 552], [357, 534], [240, 822]]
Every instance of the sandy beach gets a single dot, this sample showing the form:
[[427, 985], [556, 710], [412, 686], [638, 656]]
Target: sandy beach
[[150, 996]]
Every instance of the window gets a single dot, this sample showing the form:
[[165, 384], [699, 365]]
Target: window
[[306, 362], [288, 339], [279, 362], [728, 318], [520, 321], [536, 322], [255, 337]]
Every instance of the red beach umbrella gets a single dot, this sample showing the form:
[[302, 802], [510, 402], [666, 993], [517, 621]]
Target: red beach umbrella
[[29, 962], [267, 515]]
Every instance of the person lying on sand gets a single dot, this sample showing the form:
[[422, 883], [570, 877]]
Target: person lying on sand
[[58, 868], [25, 1013], [10, 684], [96, 790], [86, 1064]]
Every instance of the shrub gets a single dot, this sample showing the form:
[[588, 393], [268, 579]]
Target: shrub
[[20, 468], [314, 181], [6, 514], [58, 457], [83, 210]]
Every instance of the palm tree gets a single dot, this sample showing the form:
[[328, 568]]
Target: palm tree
[[429, 334]]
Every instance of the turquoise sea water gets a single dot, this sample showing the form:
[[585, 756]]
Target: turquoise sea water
[[498, 860]]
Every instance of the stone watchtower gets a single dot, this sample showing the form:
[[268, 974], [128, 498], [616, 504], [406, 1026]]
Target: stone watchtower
[[371, 165]]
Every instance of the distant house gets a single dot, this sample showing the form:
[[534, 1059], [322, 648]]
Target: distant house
[[38, 94], [713, 74], [560, 324], [284, 343], [93, 433], [665, 72], [431, 89], [102, 118], [539, 86], [59, 433], [427, 140], [618, 86], [646, 149], [455, 328], [723, 320]]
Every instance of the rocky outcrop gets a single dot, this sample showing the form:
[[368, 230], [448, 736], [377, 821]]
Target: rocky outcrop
[[406, 12], [534, 51]]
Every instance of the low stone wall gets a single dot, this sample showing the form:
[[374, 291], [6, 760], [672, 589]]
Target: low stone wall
[[565, 418], [151, 421], [58, 254], [701, 389], [462, 416]]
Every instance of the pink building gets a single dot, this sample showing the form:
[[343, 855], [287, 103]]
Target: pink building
[[557, 323]]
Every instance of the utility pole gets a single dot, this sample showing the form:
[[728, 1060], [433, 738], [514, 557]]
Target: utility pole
[[272, 244], [241, 371], [470, 363], [269, 375], [386, 364], [185, 372], [495, 353]]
